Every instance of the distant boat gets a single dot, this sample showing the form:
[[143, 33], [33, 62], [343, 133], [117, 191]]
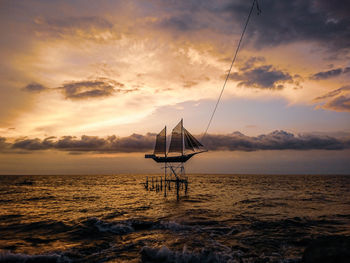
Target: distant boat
[[183, 146]]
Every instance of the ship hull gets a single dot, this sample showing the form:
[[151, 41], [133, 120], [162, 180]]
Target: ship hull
[[170, 159]]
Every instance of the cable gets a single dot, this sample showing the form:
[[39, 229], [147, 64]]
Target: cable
[[233, 60]]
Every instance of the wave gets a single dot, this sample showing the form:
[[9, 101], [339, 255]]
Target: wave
[[132, 225], [93, 225], [297, 222], [48, 227], [8, 257], [205, 255], [40, 198], [172, 225], [25, 182], [10, 217], [90, 226], [123, 227], [164, 254]]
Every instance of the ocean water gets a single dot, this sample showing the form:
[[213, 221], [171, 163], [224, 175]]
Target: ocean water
[[222, 218]]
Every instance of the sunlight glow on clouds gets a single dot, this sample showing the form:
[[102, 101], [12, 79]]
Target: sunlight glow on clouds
[[91, 68]]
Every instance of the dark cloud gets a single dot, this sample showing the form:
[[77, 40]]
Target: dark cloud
[[84, 26], [327, 74], [182, 23], [277, 140], [340, 103], [84, 143], [253, 75], [92, 89], [190, 84], [330, 73], [33, 144], [335, 8], [87, 89], [281, 22], [101, 87], [3, 143], [34, 87], [334, 93], [322, 21], [338, 100], [133, 143], [186, 16], [262, 77]]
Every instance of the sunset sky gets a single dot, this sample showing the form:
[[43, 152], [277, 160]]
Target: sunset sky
[[85, 85]]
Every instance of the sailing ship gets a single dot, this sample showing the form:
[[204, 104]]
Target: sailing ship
[[183, 146]]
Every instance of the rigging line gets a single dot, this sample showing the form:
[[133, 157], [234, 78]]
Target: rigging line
[[233, 60]]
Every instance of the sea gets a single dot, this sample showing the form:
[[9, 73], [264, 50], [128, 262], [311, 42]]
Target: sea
[[221, 218]]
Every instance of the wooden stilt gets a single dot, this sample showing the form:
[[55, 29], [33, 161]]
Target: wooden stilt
[[176, 177]]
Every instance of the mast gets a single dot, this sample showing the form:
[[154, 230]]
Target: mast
[[165, 142], [182, 137], [165, 163], [183, 146]]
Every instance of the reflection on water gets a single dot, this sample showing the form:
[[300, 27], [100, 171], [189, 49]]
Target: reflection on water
[[224, 218]]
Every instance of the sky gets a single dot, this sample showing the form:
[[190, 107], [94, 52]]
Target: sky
[[86, 85]]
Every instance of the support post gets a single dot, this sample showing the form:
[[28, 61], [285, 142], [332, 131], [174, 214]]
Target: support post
[[177, 188]]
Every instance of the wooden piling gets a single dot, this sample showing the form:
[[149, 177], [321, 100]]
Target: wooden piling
[[159, 184]]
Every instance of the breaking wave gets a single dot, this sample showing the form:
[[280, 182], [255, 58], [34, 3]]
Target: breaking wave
[[8, 257], [164, 254]]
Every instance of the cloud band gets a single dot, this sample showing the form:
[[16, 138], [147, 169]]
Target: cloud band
[[277, 140]]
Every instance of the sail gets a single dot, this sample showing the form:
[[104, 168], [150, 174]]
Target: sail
[[176, 143], [160, 147], [190, 141]]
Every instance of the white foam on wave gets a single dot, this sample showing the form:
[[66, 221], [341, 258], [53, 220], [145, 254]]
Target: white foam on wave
[[164, 254], [117, 228], [9, 257], [128, 226], [172, 225]]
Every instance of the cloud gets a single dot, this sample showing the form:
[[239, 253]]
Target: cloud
[[85, 27], [190, 83], [132, 143], [78, 90], [102, 87], [282, 22], [3, 143], [329, 74], [184, 22], [34, 87], [277, 140], [334, 93], [87, 89], [33, 144], [338, 100], [252, 75], [340, 103]]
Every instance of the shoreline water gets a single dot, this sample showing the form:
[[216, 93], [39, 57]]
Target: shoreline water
[[224, 218]]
